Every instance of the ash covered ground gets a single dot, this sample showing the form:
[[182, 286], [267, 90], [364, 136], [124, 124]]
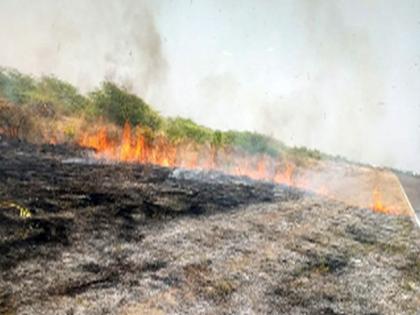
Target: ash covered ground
[[141, 239]]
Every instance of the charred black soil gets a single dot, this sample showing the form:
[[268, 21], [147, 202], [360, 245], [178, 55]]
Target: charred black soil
[[140, 239]]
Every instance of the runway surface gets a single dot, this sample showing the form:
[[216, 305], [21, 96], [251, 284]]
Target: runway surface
[[411, 185]]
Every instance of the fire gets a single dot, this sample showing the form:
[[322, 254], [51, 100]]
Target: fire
[[378, 205], [377, 201], [134, 147], [98, 141], [285, 176], [126, 152]]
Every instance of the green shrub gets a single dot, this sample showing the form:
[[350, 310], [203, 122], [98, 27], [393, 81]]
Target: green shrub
[[119, 106], [180, 129], [253, 143], [304, 153], [15, 86], [22, 90], [217, 139], [64, 96]]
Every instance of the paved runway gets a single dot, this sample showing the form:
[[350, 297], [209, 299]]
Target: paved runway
[[411, 185]]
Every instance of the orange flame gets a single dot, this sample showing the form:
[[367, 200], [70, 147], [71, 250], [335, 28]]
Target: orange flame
[[377, 201], [378, 205], [98, 141], [135, 148], [286, 176]]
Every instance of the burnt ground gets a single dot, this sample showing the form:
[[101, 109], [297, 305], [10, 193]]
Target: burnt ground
[[139, 239]]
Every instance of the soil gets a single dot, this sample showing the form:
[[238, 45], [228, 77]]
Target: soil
[[140, 239]]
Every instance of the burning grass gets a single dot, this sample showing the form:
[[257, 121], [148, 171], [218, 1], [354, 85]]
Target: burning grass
[[121, 127], [334, 180], [378, 204]]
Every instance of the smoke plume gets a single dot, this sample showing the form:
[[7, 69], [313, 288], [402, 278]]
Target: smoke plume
[[338, 76], [85, 42]]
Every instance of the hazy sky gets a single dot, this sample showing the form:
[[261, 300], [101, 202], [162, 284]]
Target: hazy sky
[[340, 76]]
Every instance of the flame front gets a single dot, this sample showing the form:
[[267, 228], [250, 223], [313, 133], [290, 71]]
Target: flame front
[[134, 147], [130, 148], [98, 141]]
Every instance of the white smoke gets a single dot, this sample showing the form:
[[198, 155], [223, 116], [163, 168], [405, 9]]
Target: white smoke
[[84, 42], [341, 102]]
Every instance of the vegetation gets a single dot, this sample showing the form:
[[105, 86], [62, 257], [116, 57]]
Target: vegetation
[[180, 129], [16, 87], [118, 106], [64, 97], [53, 98], [24, 90], [14, 121], [251, 142]]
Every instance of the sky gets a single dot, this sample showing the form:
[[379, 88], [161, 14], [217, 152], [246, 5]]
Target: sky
[[339, 76]]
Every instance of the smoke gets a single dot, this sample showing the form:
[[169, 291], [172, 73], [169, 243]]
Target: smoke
[[337, 86], [343, 86], [214, 92], [85, 42], [342, 106], [311, 73]]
